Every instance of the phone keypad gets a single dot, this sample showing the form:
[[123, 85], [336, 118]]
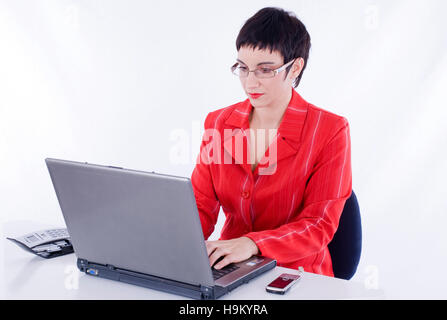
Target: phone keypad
[[58, 233]]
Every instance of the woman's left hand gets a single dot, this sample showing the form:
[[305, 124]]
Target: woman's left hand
[[232, 251]]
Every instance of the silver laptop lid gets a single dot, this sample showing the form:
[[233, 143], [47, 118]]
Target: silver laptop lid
[[144, 222]]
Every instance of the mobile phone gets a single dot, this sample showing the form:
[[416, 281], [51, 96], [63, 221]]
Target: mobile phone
[[283, 283]]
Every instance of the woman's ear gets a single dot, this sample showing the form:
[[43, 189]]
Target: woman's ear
[[297, 67]]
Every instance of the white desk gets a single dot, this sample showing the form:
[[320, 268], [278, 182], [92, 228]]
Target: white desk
[[26, 276]]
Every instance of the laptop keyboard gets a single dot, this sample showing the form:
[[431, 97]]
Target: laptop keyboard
[[219, 273]]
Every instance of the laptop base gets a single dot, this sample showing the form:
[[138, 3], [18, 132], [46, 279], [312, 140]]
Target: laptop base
[[198, 292], [149, 281]]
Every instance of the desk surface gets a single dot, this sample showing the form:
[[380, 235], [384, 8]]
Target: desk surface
[[26, 276]]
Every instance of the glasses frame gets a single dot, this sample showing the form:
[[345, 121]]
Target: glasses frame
[[275, 71]]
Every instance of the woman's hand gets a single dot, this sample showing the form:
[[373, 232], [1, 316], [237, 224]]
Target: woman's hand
[[232, 251]]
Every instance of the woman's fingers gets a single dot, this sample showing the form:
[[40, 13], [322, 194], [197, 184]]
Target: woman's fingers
[[216, 255], [225, 261], [230, 251], [210, 247]]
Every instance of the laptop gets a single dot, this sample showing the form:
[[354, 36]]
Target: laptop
[[142, 228]]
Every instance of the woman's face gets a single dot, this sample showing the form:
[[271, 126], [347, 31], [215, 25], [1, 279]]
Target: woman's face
[[274, 90]]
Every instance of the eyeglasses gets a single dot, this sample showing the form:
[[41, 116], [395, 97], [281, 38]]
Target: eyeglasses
[[261, 73]]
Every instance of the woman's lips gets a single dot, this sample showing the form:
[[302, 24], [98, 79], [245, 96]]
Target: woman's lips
[[255, 95]]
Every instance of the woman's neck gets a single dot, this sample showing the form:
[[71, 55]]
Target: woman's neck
[[270, 117]]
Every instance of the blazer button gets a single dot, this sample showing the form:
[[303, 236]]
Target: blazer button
[[245, 194]]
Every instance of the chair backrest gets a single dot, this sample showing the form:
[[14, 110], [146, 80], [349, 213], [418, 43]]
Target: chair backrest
[[346, 246]]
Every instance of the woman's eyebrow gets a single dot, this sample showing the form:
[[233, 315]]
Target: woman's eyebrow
[[265, 62]]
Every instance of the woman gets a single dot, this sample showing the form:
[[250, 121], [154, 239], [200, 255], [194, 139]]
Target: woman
[[279, 166]]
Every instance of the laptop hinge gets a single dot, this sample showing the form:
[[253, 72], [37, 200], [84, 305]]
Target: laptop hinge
[[207, 292]]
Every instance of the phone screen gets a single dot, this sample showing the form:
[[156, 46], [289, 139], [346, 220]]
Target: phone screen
[[281, 282]]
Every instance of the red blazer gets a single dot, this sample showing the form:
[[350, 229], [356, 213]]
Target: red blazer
[[291, 204]]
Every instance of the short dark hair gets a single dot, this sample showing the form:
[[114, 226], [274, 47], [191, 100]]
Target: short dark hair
[[277, 30]]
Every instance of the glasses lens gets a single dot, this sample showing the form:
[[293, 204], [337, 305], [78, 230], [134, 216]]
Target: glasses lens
[[239, 71], [242, 71], [264, 73], [233, 69]]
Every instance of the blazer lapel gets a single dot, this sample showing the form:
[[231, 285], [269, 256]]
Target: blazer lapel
[[286, 144], [236, 134]]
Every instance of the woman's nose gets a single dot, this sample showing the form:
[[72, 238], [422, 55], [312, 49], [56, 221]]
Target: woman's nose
[[251, 81]]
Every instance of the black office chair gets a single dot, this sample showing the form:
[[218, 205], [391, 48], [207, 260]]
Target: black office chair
[[346, 246]]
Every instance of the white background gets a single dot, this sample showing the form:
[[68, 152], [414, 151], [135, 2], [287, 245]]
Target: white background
[[129, 83]]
